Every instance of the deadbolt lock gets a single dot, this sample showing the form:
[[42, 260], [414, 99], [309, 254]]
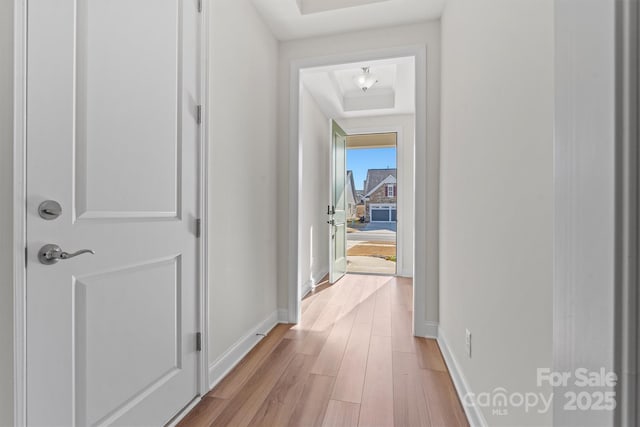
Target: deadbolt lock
[[49, 210]]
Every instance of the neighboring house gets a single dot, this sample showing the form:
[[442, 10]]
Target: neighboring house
[[380, 195], [352, 198]]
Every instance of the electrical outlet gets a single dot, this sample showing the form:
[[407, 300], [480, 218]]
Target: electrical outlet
[[468, 342]]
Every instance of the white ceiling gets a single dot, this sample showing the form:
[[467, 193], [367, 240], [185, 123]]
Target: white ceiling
[[293, 19], [337, 94]]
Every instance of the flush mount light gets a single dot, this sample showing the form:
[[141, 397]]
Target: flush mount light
[[365, 79]]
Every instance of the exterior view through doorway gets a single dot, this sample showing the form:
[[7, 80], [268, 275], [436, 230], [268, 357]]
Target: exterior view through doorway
[[329, 97], [372, 208]]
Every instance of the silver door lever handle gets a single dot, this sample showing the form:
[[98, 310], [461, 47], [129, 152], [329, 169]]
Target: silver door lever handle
[[50, 254]]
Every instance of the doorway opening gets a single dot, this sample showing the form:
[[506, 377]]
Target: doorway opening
[[321, 89], [355, 186], [372, 196]]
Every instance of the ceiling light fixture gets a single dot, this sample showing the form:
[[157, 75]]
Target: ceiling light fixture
[[365, 80]]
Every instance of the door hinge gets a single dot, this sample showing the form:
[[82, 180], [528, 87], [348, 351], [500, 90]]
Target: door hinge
[[198, 341], [199, 6], [198, 227], [199, 114], [26, 256]]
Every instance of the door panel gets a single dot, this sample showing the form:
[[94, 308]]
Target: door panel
[[128, 104], [112, 89], [105, 321], [338, 228]]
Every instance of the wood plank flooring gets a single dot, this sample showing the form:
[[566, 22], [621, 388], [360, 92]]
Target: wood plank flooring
[[351, 361]]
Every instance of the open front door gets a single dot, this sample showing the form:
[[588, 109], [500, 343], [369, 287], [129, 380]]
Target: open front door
[[338, 212]]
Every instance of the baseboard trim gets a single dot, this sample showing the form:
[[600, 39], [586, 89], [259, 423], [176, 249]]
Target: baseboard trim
[[474, 414], [180, 416], [319, 276], [306, 288], [283, 315], [230, 358], [312, 283], [427, 329]]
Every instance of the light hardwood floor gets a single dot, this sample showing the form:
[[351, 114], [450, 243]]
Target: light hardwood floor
[[351, 361]]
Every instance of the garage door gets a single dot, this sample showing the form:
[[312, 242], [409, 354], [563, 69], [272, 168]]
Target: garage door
[[383, 213], [380, 215]]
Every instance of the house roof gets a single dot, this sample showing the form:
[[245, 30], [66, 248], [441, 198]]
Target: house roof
[[375, 177], [388, 180]]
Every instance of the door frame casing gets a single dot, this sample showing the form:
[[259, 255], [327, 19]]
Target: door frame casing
[[19, 212], [627, 294], [421, 327], [19, 208]]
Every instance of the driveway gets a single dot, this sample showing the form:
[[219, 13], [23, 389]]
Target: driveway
[[374, 226], [372, 236]]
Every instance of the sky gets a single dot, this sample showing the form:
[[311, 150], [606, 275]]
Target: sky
[[361, 159]]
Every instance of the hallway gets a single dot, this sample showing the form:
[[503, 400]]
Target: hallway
[[352, 361]]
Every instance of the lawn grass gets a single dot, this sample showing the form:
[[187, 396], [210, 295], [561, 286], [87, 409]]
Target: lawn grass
[[368, 249]]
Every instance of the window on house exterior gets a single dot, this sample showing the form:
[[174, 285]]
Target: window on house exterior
[[391, 190]]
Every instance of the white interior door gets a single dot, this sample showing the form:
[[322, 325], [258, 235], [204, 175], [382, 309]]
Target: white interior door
[[112, 136], [338, 221]]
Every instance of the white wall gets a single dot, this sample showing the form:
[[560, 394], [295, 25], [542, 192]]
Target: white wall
[[6, 219], [426, 34], [405, 123], [242, 196], [496, 234], [314, 189], [584, 313]]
